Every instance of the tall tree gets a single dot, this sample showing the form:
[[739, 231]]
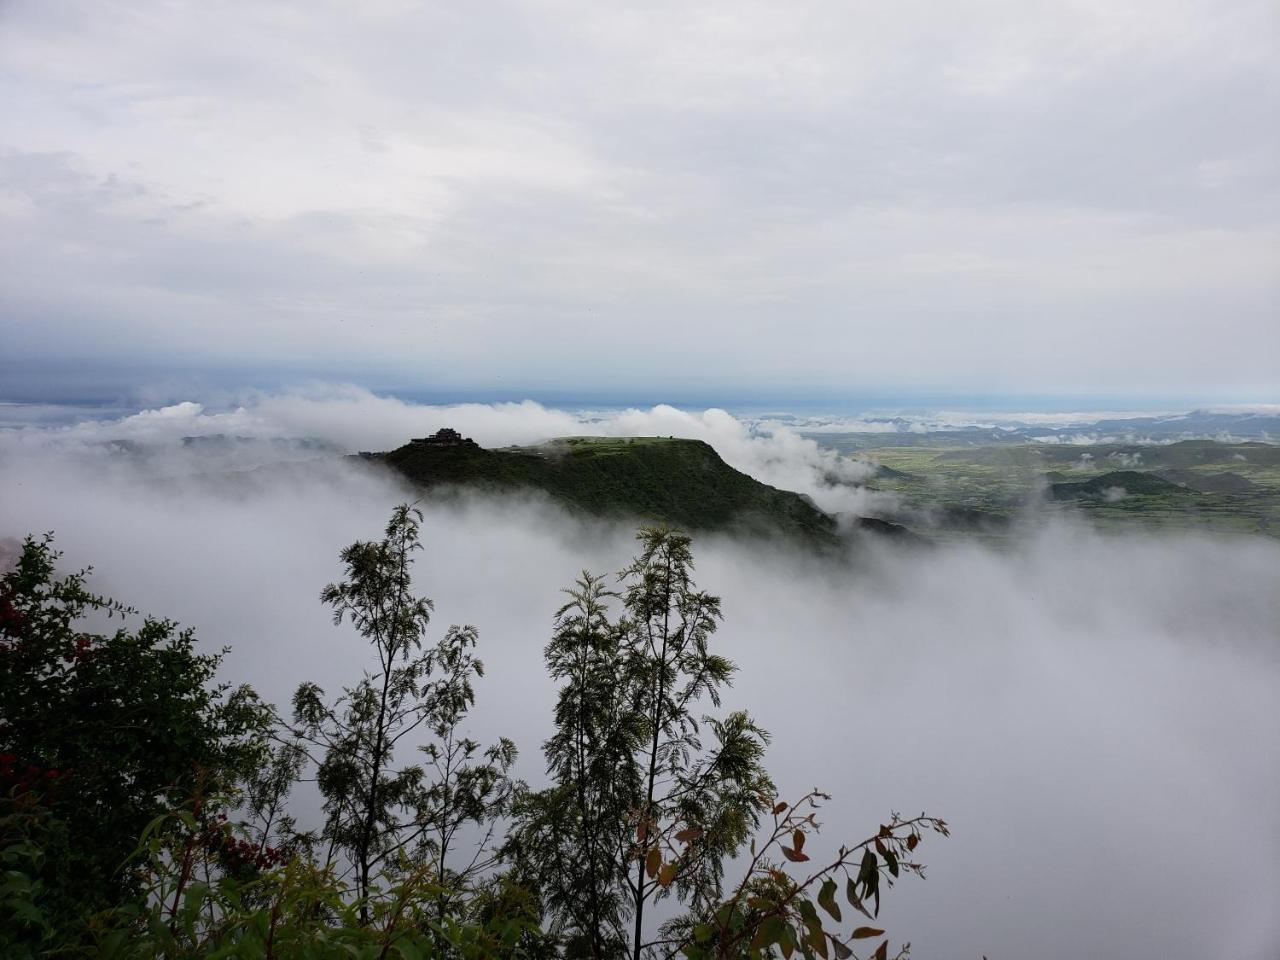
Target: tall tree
[[465, 785], [375, 810], [699, 802], [577, 833], [641, 807]]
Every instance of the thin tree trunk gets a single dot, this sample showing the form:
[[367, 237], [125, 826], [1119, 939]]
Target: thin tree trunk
[[366, 837], [653, 757]]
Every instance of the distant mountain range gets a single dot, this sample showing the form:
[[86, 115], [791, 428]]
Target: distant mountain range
[[930, 430]]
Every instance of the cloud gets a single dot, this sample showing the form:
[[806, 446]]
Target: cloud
[[1093, 715], [744, 196], [350, 419]]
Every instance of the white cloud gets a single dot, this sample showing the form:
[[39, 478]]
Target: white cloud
[[351, 419], [1089, 713]]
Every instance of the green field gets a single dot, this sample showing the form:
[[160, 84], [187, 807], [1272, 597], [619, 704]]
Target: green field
[[981, 489]]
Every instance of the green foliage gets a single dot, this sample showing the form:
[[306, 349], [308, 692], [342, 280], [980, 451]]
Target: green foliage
[[679, 482], [301, 909], [382, 818], [573, 840], [105, 731], [785, 906], [644, 806], [698, 805], [145, 812], [1132, 482]]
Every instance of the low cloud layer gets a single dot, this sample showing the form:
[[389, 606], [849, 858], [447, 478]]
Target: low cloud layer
[[348, 419], [1095, 716]]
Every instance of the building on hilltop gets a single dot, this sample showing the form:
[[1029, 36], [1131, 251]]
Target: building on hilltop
[[446, 437]]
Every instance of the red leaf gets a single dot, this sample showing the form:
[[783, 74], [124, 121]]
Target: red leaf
[[795, 856], [652, 861]]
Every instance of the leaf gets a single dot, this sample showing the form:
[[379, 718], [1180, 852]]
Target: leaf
[[779, 808], [795, 856], [767, 934], [891, 859], [818, 940], [827, 899], [912, 841], [882, 952], [666, 874], [842, 952], [688, 835], [815, 937], [797, 838], [862, 933], [809, 913], [652, 861], [851, 894], [867, 871]]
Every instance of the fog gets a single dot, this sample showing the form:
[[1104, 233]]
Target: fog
[[1096, 717]]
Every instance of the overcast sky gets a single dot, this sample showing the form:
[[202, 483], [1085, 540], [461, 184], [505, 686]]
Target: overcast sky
[[1067, 197]]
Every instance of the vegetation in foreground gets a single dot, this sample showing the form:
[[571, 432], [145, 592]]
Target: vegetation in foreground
[[145, 810]]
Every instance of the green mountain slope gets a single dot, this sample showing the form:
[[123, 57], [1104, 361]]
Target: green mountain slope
[[679, 482], [1132, 483]]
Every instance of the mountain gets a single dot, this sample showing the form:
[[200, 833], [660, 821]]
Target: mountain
[[1226, 482], [1129, 482], [683, 483]]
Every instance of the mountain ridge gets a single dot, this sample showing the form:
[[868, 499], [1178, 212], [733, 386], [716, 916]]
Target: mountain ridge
[[663, 480]]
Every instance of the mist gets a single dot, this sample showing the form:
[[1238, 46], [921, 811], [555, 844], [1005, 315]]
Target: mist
[[1094, 716]]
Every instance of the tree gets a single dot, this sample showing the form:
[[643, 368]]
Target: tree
[[465, 785], [101, 733], [119, 751], [577, 834], [641, 807], [377, 814], [706, 800]]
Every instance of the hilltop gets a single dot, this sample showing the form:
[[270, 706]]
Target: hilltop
[[683, 483], [1126, 482]]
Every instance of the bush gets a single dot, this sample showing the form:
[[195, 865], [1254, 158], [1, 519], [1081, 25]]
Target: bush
[[100, 733]]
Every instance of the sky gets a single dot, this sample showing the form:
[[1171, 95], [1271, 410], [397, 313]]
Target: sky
[[322, 227], [727, 199]]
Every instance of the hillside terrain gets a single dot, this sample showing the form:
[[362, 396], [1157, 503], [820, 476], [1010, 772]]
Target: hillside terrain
[[683, 483], [982, 489]]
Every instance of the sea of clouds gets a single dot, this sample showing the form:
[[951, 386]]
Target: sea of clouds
[[1095, 716]]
